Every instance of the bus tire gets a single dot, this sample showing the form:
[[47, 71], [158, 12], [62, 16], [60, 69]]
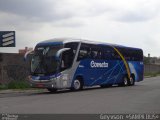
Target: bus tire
[[125, 81], [132, 80], [52, 90], [77, 84]]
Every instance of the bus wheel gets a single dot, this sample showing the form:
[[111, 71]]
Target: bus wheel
[[52, 90], [77, 84], [132, 81], [125, 81]]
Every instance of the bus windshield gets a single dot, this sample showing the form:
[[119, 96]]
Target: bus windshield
[[44, 60]]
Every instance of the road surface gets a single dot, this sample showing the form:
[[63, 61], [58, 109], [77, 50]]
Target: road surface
[[144, 97]]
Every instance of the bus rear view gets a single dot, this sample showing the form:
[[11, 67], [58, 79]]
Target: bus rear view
[[74, 64]]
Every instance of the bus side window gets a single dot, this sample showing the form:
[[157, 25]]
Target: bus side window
[[68, 56], [95, 52], [82, 54], [72, 45], [108, 53], [99, 54], [67, 59]]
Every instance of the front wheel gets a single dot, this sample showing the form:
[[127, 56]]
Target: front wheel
[[132, 81], [77, 84]]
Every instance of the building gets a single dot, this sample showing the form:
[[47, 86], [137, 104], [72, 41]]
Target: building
[[23, 51], [151, 60]]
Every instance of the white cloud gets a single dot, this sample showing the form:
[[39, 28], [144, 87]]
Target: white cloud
[[127, 22]]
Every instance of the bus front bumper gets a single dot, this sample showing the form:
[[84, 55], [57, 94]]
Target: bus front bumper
[[58, 82], [44, 83]]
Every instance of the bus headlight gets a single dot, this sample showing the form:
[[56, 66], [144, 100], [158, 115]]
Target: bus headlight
[[56, 78], [65, 77], [52, 79]]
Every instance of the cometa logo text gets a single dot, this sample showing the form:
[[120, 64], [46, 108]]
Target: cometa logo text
[[98, 64]]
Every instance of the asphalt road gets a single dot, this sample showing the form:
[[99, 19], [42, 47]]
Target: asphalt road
[[144, 97]]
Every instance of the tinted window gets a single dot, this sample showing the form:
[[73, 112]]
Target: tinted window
[[97, 52], [90, 51], [108, 53], [68, 56], [72, 45], [84, 52], [131, 54]]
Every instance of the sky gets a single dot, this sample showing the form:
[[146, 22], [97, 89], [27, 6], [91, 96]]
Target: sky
[[134, 23]]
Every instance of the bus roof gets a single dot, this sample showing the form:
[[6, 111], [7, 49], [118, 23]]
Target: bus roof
[[68, 40]]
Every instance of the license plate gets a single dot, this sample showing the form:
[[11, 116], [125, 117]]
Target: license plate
[[40, 85]]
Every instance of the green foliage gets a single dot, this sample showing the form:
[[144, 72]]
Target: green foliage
[[15, 85], [18, 85], [3, 87], [152, 74]]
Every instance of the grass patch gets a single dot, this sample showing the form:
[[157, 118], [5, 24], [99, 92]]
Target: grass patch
[[18, 85], [3, 87], [152, 74], [15, 85]]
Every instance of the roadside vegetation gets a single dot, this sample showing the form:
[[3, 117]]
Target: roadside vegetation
[[152, 74], [15, 85]]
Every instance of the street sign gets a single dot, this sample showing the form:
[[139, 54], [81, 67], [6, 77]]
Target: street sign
[[7, 39]]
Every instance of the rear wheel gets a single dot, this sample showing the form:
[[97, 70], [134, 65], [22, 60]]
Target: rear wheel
[[52, 90], [132, 81], [125, 81]]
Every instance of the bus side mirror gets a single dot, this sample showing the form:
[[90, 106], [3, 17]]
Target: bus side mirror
[[26, 54], [59, 52]]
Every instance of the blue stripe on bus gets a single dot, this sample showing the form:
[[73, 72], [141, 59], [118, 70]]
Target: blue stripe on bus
[[47, 77], [49, 43]]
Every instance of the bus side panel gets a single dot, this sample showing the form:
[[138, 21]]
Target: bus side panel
[[111, 74], [137, 68]]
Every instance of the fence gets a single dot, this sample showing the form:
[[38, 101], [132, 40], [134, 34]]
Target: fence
[[13, 68], [13, 73], [151, 68]]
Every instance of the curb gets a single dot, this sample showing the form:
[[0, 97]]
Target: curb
[[10, 91]]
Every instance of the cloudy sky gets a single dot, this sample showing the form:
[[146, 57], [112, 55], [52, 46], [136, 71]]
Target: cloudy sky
[[133, 23]]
